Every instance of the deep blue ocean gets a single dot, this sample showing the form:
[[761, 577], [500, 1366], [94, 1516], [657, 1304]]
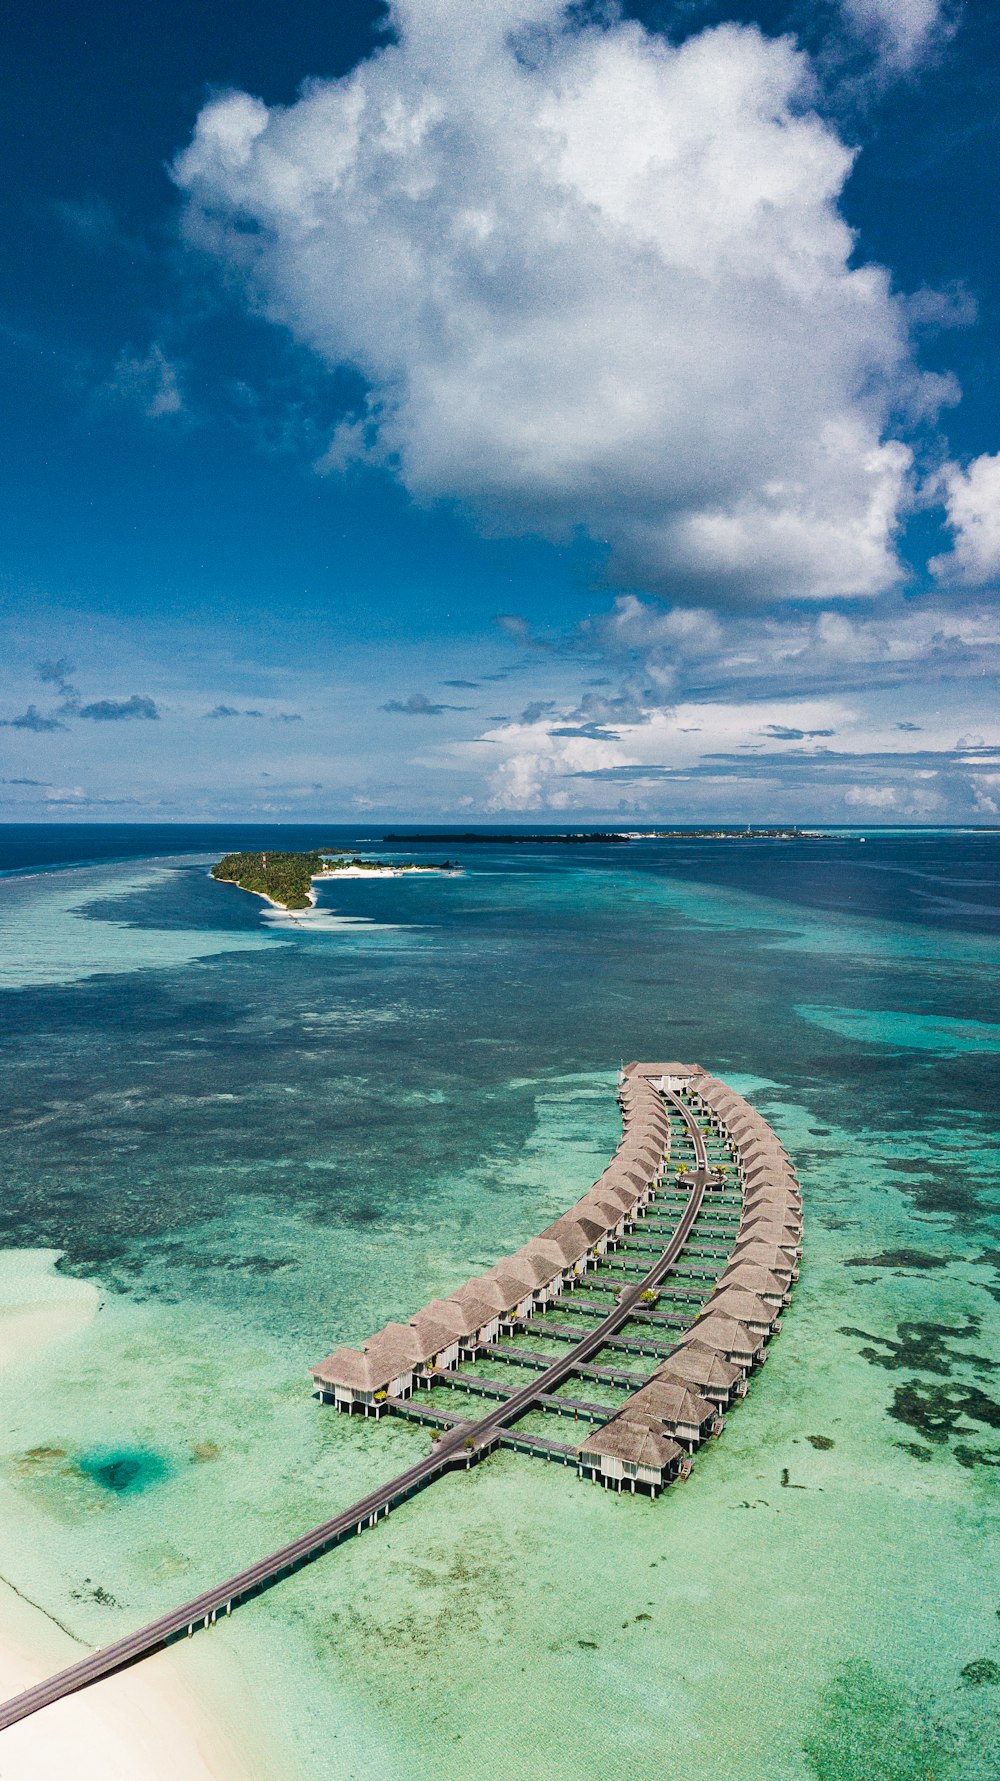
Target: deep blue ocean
[[256, 1140]]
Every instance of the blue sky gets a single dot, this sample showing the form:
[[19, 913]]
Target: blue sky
[[441, 411]]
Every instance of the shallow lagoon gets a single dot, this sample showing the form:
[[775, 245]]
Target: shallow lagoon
[[256, 1143]]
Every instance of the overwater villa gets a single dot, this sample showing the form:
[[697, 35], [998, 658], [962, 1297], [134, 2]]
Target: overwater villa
[[647, 1441], [684, 1414], [628, 1455], [707, 1371]]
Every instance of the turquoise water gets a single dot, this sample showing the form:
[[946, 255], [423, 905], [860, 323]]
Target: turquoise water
[[257, 1141]]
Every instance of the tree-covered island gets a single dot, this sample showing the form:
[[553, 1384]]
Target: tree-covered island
[[286, 879]]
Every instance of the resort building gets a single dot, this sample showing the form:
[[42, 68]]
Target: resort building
[[731, 1339], [630, 1456], [676, 1401], [760, 1318], [706, 1371], [752, 1277], [385, 1367], [685, 1415]]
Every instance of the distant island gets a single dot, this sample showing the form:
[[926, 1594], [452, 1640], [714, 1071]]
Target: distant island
[[286, 879], [617, 837], [520, 837]]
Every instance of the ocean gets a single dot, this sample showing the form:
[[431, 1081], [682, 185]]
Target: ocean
[[257, 1140]]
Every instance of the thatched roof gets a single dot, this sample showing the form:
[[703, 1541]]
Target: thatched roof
[[432, 1334], [547, 1257], [347, 1367], [482, 1288], [471, 1308], [573, 1236], [392, 1352], [600, 1204], [725, 1334], [670, 1401], [753, 1277], [625, 1439], [734, 1301], [780, 1260], [514, 1283], [696, 1364]]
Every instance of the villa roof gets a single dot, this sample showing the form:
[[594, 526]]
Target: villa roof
[[571, 1237], [725, 1333], [385, 1356], [752, 1277], [471, 1307], [771, 1218], [546, 1258], [775, 1195], [482, 1287], [347, 1367], [746, 1307], [779, 1258], [600, 1205], [697, 1364], [514, 1283], [670, 1401], [625, 1439], [606, 1194], [432, 1334]]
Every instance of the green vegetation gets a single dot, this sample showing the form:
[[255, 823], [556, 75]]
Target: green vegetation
[[287, 877], [284, 877]]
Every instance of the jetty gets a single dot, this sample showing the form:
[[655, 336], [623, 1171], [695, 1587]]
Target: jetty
[[698, 1173]]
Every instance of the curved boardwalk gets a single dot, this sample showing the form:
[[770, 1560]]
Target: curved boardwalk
[[460, 1445]]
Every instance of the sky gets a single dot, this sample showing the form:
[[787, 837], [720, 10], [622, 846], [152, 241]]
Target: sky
[[517, 412]]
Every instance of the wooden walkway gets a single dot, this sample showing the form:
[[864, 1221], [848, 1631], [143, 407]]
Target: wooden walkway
[[458, 1446]]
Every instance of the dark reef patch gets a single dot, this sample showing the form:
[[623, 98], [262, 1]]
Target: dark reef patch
[[914, 1449], [822, 1443], [926, 1347], [969, 1457], [125, 1471], [981, 1670], [896, 1258], [936, 1411]]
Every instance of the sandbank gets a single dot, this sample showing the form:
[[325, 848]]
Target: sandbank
[[187, 1711]]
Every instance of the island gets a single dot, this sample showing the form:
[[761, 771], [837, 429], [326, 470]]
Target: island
[[616, 837], [286, 879]]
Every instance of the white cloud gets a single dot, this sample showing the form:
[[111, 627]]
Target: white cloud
[[903, 29], [535, 763], [594, 281], [972, 501], [149, 381], [871, 797]]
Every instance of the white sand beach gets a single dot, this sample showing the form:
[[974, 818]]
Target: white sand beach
[[187, 1711]]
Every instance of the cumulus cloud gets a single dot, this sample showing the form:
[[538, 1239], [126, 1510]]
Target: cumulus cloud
[[972, 503], [110, 711], [595, 282]]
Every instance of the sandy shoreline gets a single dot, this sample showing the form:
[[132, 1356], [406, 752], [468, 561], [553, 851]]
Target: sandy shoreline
[[187, 1711], [327, 878]]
